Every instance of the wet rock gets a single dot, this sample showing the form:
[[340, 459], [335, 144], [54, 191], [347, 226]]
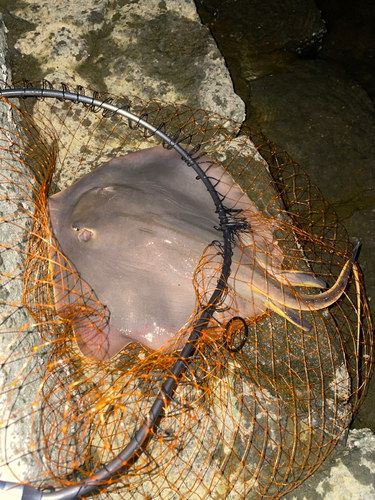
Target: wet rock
[[350, 39], [258, 38]]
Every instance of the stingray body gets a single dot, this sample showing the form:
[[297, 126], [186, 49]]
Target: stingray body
[[134, 230]]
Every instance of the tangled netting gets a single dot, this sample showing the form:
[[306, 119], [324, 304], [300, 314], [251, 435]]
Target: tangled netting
[[258, 406]]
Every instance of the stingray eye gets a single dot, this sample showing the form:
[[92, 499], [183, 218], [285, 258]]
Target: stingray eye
[[76, 226]]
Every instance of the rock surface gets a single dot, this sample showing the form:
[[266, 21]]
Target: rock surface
[[15, 412], [150, 48], [347, 474], [260, 37]]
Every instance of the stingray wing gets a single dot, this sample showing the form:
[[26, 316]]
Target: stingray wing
[[76, 302]]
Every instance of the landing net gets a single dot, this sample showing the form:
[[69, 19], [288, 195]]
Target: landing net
[[260, 403]]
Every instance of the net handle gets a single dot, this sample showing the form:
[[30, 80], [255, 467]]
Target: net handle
[[114, 468]]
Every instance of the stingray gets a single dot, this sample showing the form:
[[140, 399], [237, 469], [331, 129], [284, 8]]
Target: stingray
[[130, 235]]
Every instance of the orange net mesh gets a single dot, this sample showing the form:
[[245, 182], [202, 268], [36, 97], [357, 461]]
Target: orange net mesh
[[260, 404]]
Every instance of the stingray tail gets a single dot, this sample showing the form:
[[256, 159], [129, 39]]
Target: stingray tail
[[289, 315], [329, 297], [287, 300]]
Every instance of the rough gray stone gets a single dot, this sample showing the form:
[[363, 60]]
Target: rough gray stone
[[23, 353], [347, 474], [14, 342], [149, 48]]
